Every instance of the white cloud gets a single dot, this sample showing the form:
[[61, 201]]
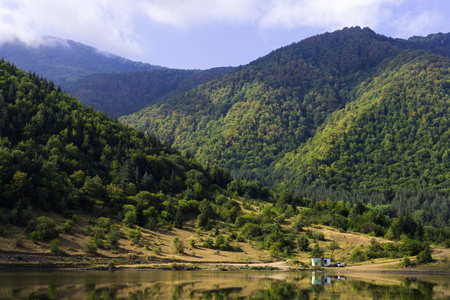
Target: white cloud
[[422, 24], [187, 13], [117, 25], [270, 13], [327, 13], [99, 22]]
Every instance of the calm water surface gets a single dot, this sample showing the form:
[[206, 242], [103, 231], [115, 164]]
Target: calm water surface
[[149, 284]]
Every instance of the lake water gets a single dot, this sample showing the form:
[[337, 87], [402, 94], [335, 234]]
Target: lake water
[[150, 284]]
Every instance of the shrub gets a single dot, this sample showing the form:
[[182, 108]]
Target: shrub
[[411, 247], [221, 199], [251, 230], [424, 256], [298, 226], [134, 235], [219, 241], [358, 255], [97, 239], [239, 238], [303, 243], [406, 262], [42, 229], [157, 250], [111, 264], [54, 246], [317, 251], [244, 219], [68, 227], [178, 245], [319, 236], [113, 237], [104, 223], [208, 243], [90, 248], [130, 216]]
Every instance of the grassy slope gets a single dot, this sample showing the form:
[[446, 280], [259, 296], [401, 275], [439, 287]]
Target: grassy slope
[[72, 246]]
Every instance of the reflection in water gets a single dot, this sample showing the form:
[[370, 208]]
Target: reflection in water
[[217, 285]]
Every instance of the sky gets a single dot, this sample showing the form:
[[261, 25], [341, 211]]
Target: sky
[[201, 34]]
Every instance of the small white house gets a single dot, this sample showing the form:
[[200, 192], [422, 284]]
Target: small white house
[[321, 262]]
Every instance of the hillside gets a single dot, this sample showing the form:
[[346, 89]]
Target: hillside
[[269, 120], [118, 94], [64, 61], [57, 155], [395, 135]]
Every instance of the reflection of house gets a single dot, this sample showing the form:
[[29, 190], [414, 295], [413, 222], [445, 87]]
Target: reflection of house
[[321, 280], [322, 262]]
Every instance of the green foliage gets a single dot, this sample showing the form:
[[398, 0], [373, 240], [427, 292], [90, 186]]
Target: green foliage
[[317, 251], [118, 94], [208, 243], [54, 246], [42, 229], [332, 247], [245, 219], [178, 245], [60, 156], [303, 243], [113, 237], [412, 247], [319, 236], [157, 250], [134, 235], [68, 227], [90, 248], [221, 199], [250, 230], [424, 256], [358, 254], [406, 262], [130, 217], [349, 115]]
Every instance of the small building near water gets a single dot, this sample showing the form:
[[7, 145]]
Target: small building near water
[[321, 262]]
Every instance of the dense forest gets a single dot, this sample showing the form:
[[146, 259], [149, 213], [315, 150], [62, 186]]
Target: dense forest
[[349, 115], [58, 155], [118, 94], [255, 120]]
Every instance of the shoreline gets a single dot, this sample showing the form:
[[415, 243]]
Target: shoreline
[[176, 265]]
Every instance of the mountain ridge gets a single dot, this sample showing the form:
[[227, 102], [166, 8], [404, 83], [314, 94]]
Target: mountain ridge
[[250, 118], [63, 61]]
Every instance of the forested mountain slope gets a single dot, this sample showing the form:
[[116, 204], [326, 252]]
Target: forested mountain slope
[[58, 155], [257, 119], [395, 135], [118, 94], [63, 61]]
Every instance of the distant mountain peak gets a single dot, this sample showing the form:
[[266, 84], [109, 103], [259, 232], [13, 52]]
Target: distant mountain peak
[[64, 61]]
